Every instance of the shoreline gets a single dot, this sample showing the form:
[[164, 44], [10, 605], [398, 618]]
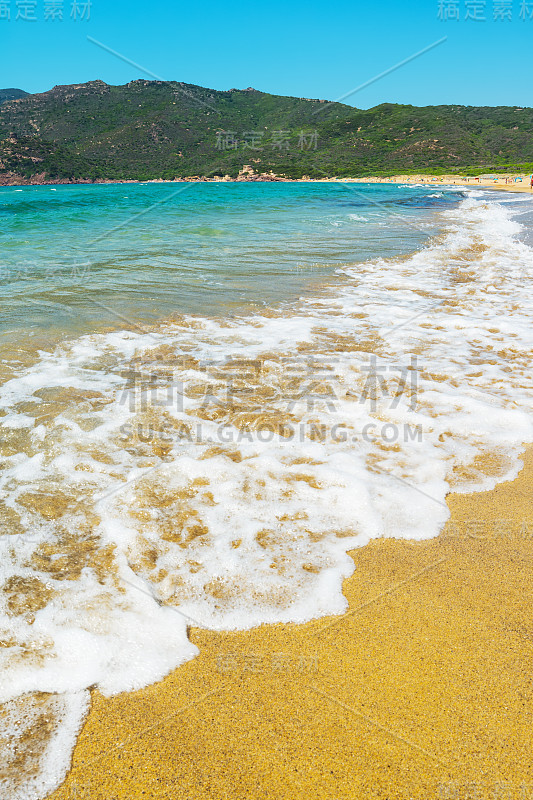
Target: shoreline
[[421, 689], [504, 182]]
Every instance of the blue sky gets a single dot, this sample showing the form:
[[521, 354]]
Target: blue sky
[[313, 49]]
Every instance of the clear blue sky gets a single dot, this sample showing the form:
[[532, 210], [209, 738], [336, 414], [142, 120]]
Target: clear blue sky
[[313, 49]]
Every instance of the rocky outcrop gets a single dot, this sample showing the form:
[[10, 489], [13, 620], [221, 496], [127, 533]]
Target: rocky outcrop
[[63, 93], [247, 173], [39, 179]]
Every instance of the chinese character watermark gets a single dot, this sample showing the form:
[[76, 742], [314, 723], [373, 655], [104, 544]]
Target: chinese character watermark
[[281, 141], [47, 10], [273, 662], [482, 10], [455, 790]]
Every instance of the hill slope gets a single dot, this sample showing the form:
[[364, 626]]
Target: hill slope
[[11, 94], [153, 129]]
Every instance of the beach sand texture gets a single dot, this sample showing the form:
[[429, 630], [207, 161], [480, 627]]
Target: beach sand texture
[[421, 690], [506, 183]]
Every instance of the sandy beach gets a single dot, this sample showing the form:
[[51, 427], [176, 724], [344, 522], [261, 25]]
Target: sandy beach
[[421, 690], [412, 682], [512, 182]]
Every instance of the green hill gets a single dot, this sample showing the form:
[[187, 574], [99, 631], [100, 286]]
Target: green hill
[[11, 94], [153, 129]]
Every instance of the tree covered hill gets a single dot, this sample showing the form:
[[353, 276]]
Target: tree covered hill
[[11, 94], [153, 129]]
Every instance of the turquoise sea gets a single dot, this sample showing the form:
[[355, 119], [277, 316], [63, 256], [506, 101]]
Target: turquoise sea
[[148, 251]]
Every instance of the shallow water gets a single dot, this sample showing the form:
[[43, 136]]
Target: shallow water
[[201, 453], [148, 251]]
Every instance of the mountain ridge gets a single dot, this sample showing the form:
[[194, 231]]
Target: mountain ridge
[[11, 94], [146, 130]]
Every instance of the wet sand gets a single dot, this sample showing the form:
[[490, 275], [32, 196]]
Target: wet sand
[[422, 690]]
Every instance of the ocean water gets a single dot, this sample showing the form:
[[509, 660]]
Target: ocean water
[[150, 251], [211, 393]]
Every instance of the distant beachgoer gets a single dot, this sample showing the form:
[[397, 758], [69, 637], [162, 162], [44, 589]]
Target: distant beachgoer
[[531, 184]]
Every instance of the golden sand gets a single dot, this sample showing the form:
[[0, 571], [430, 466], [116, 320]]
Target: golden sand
[[422, 690], [511, 182]]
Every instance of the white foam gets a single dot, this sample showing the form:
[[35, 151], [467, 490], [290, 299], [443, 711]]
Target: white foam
[[23, 725]]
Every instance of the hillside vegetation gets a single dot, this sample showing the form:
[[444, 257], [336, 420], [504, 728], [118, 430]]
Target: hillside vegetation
[[11, 94], [152, 129]]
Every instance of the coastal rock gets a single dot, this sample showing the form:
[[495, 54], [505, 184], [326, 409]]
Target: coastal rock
[[247, 173]]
